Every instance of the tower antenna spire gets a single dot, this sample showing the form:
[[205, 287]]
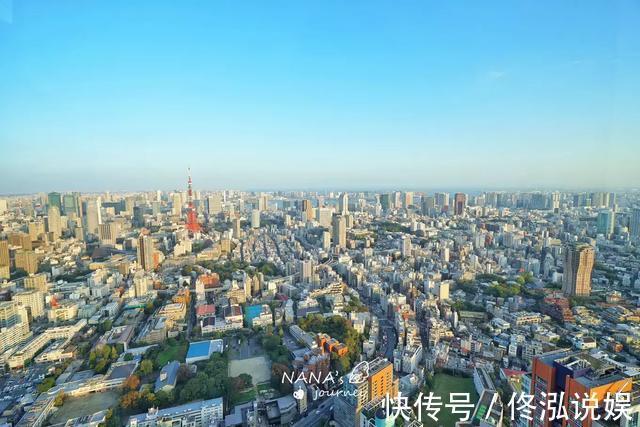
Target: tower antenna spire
[[192, 217]]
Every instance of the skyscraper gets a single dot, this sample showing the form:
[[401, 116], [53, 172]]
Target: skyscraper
[[4, 253], [214, 204], [109, 232], [54, 223], [145, 252], [606, 222], [339, 231], [307, 210], [36, 228], [32, 300], [442, 200], [428, 205], [255, 218], [406, 246], [407, 199], [93, 216], [634, 222], [138, 216], [237, 229], [386, 202], [324, 215], [176, 204], [460, 203], [54, 199], [26, 260], [70, 204], [578, 263], [343, 204]]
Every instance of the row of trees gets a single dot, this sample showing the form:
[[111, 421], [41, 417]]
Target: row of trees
[[100, 359], [276, 351], [210, 381]]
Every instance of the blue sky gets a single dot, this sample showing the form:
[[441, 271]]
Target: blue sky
[[121, 95]]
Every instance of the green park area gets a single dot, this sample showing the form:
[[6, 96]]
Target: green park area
[[177, 350]]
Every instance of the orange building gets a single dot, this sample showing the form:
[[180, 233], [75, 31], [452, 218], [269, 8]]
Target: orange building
[[331, 345], [381, 380], [573, 372]]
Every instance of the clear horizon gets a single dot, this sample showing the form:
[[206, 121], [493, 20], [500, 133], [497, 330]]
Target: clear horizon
[[376, 95]]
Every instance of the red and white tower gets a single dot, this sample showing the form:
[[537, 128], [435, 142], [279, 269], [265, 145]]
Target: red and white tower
[[192, 217]]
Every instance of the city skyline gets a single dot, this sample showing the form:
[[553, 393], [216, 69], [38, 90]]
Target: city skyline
[[535, 95]]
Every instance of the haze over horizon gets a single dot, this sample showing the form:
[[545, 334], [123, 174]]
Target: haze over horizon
[[338, 95]]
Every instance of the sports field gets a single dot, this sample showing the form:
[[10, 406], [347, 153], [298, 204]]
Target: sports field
[[75, 407], [443, 385], [258, 367]]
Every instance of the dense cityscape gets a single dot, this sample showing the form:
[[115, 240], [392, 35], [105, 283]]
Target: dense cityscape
[[234, 308]]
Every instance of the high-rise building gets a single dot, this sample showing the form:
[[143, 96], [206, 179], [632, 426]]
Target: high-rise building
[[142, 284], [324, 216], [555, 201], [428, 205], [406, 246], [407, 199], [237, 229], [386, 202], [70, 204], [93, 215], [109, 232], [460, 203], [32, 300], [578, 263], [27, 261], [55, 199], [305, 270], [360, 390], [442, 200], [339, 227], [343, 204], [138, 216], [176, 204], [36, 229], [20, 239], [307, 210], [54, 222], [606, 222], [145, 252], [37, 282], [4, 206], [326, 240], [5, 261], [9, 314], [214, 204], [263, 202], [255, 218], [634, 222], [4, 253], [572, 375]]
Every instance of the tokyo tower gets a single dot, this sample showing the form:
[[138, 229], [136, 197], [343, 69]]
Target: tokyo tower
[[192, 217]]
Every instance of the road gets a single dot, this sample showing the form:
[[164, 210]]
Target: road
[[389, 332], [315, 416]]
